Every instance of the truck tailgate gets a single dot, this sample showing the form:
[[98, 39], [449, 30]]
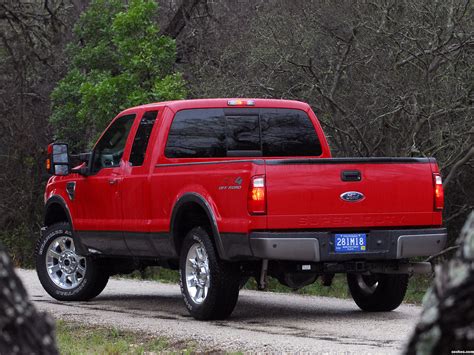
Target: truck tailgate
[[306, 193]]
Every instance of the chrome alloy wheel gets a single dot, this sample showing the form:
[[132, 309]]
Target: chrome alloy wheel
[[197, 273], [367, 283], [65, 268]]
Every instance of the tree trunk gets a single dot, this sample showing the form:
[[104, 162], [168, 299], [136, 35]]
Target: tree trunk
[[181, 16], [22, 329], [447, 320]]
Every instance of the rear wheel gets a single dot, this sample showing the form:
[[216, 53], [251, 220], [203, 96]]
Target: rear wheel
[[210, 286], [378, 292], [64, 274]]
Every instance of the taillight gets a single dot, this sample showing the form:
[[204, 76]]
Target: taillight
[[256, 202], [438, 192]]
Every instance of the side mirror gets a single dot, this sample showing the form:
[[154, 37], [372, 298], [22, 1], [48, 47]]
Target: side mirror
[[57, 162]]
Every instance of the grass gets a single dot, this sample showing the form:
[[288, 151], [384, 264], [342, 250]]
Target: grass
[[416, 288], [74, 338], [156, 273], [337, 289]]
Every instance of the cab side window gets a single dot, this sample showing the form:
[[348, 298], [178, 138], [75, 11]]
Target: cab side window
[[109, 149], [140, 143], [197, 133]]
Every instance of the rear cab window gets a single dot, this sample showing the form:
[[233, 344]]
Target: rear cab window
[[197, 133], [287, 132], [243, 137], [140, 142], [242, 132]]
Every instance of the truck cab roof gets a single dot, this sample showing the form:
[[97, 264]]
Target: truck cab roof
[[178, 105]]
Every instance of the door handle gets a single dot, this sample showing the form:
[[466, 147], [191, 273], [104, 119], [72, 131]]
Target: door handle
[[114, 181]]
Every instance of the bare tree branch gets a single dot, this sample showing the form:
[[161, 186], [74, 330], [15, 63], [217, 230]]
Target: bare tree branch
[[461, 162], [182, 15]]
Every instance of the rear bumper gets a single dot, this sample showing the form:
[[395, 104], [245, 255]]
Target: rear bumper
[[319, 246]]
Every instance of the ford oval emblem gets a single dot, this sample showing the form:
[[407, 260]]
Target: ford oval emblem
[[352, 196]]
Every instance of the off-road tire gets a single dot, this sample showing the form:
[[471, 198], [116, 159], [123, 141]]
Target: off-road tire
[[223, 285], [95, 278], [387, 296]]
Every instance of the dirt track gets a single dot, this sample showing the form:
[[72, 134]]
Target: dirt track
[[262, 321]]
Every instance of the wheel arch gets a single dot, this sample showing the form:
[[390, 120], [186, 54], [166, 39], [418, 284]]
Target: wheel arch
[[195, 206], [56, 210]]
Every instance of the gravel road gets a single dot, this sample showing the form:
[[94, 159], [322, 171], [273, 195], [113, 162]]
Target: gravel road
[[262, 321]]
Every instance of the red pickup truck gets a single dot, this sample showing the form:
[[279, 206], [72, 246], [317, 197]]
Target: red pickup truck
[[227, 189]]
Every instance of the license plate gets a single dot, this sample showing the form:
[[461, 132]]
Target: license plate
[[350, 243]]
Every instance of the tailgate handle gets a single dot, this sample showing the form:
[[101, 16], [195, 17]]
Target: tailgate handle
[[351, 175]]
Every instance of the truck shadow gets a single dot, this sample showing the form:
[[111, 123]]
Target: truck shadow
[[250, 308]]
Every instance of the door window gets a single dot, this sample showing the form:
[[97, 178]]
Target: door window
[[140, 143], [109, 149]]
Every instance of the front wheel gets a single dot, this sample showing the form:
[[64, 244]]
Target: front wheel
[[378, 292], [210, 286], [64, 274]]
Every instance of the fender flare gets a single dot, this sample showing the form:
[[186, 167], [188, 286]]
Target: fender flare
[[201, 201], [58, 200]]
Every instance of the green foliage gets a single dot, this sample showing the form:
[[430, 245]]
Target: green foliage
[[20, 244], [119, 60]]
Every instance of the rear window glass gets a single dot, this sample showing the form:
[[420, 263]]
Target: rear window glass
[[205, 133], [242, 133], [288, 133]]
